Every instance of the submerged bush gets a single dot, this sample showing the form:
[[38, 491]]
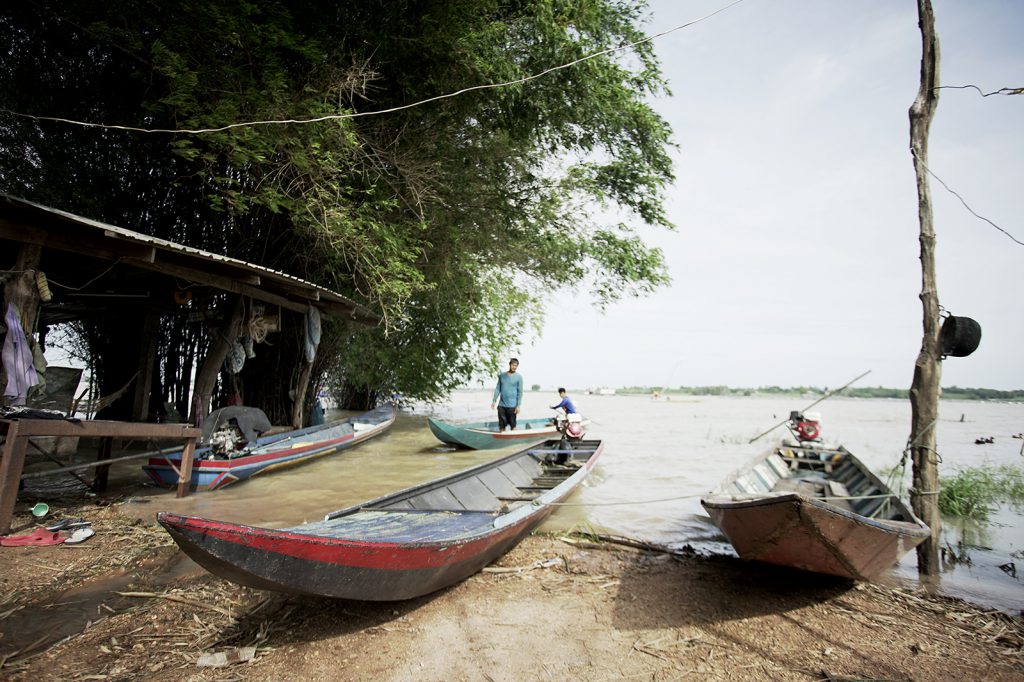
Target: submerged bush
[[973, 492]]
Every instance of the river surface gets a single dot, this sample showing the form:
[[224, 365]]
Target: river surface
[[660, 457]]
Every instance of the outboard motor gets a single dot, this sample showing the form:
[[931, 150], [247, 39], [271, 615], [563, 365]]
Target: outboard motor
[[571, 428], [805, 427]]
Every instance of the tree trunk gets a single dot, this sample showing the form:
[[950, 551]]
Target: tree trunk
[[924, 392], [206, 378]]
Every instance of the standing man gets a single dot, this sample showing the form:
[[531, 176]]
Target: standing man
[[508, 395]]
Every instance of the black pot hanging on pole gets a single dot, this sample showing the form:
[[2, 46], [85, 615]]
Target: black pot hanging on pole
[[959, 336]]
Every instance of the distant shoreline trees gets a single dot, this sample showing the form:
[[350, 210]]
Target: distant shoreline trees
[[949, 393]]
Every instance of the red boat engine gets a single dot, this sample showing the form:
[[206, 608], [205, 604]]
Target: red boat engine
[[806, 427]]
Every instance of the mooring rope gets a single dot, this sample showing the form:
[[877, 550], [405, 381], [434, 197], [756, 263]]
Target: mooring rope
[[538, 503]]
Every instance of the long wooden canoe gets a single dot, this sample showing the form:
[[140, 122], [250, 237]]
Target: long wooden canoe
[[399, 546], [815, 508], [486, 435], [272, 453]]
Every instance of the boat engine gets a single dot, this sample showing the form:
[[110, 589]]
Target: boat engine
[[805, 427], [227, 441], [571, 428]]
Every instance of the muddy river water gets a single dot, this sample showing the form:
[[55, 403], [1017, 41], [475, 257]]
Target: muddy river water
[[660, 456]]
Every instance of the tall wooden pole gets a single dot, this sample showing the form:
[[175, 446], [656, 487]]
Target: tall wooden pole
[[924, 392]]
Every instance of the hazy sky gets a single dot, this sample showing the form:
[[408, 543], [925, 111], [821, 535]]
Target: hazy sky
[[795, 258]]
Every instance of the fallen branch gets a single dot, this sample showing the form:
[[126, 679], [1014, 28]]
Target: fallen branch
[[174, 597], [543, 563], [619, 540]]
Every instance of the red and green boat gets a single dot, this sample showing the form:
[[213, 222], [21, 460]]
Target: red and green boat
[[487, 435]]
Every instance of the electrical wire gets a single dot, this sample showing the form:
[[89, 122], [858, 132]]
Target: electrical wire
[[335, 117], [971, 210]]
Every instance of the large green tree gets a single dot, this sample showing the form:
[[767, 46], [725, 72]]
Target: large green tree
[[454, 218]]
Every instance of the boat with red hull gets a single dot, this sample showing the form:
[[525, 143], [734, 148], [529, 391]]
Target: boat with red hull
[[816, 508], [271, 453], [400, 546]]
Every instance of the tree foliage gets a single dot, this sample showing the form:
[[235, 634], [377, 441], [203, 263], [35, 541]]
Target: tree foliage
[[454, 219]]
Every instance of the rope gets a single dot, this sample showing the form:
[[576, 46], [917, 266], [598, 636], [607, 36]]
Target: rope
[[258, 328], [923, 492], [538, 503]]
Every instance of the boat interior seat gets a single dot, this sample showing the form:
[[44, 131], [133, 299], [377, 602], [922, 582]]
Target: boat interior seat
[[816, 485]]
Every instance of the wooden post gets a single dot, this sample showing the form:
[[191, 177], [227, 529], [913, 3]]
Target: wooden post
[[185, 476], [147, 363], [99, 480], [10, 475], [298, 417], [924, 392]]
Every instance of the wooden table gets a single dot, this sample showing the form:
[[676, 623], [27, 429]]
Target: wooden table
[[20, 430]]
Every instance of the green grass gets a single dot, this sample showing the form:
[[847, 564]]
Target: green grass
[[972, 493]]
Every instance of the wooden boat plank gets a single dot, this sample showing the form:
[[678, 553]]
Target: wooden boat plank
[[529, 466], [402, 526], [436, 499], [472, 494], [497, 482], [517, 473]]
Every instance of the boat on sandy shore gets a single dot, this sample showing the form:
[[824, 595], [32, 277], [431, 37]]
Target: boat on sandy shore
[[815, 508], [487, 435], [400, 546], [271, 453]]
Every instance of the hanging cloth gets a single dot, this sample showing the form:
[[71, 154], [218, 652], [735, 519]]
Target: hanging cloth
[[234, 361], [17, 359], [312, 332]]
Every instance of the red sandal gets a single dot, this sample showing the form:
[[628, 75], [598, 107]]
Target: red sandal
[[40, 537]]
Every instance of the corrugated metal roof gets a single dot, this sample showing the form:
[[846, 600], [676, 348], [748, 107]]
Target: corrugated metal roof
[[20, 212]]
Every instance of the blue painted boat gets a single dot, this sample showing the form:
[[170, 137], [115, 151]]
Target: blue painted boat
[[271, 453]]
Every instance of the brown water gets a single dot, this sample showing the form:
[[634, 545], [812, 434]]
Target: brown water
[[660, 457]]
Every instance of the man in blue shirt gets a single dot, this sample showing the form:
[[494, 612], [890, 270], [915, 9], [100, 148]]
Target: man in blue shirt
[[508, 395], [565, 403]]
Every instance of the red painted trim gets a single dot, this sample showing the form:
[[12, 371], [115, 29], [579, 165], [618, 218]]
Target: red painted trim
[[359, 553]]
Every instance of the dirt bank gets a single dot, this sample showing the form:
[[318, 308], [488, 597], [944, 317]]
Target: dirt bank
[[126, 605]]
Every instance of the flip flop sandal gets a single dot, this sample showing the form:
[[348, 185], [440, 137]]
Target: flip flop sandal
[[80, 535], [40, 537], [67, 523]]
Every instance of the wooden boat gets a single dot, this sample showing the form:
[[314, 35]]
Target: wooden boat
[[815, 508], [272, 453], [399, 546], [486, 435]]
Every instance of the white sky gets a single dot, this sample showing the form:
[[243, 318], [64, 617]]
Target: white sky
[[795, 259]]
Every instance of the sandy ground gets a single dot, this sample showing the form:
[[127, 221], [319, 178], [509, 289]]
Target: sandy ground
[[126, 605]]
